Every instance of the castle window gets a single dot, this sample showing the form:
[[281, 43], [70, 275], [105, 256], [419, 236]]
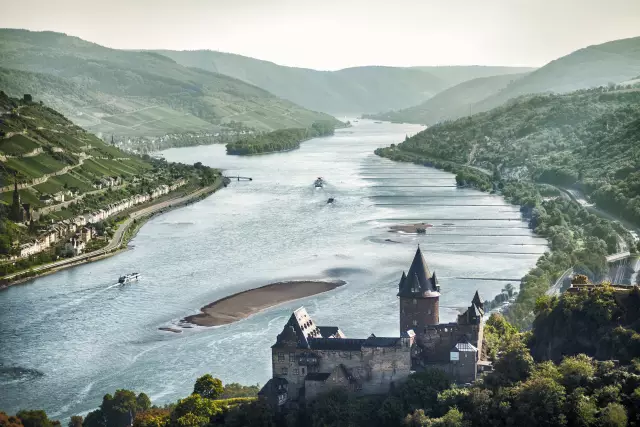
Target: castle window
[[292, 357], [285, 371], [415, 323], [295, 371], [280, 357], [302, 371]]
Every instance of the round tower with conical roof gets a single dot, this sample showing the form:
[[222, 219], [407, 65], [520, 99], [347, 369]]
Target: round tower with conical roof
[[419, 295]]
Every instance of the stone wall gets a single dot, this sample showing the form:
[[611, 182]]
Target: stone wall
[[375, 368]]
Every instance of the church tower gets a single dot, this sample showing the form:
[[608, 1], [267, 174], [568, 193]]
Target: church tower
[[16, 207], [419, 295]]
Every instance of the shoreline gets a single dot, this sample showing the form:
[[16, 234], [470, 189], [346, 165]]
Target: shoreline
[[125, 237], [241, 305]]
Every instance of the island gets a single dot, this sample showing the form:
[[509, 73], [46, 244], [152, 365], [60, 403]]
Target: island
[[243, 304], [279, 140]]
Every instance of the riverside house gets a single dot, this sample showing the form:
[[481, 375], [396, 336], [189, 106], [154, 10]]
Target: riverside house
[[62, 229]]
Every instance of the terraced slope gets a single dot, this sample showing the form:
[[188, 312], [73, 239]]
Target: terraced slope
[[48, 154]]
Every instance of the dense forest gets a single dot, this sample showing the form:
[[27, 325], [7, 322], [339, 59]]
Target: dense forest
[[526, 150], [588, 139], [279, 140], [559, 374]]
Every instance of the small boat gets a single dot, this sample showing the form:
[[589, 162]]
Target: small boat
[[319, 183], [330, 200], [128, 278]]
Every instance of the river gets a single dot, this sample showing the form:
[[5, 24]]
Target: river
[[69, 338]]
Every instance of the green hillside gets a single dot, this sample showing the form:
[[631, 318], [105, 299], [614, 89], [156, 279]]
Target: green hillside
[[351, 90], [599, 65], [451, 103], [38, 142], [588, 139], [134, 93], [616, 62]]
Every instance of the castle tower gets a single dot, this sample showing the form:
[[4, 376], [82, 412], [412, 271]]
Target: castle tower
[[419, 295]]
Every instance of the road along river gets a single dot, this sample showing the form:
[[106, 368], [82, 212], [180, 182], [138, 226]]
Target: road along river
[[73, 336]]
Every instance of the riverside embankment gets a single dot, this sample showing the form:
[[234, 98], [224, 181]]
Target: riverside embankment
[[118, 241]]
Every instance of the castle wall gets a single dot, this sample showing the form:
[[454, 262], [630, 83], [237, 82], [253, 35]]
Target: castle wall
[[285, 365], [435, 342], [416, 313], [386, 366]]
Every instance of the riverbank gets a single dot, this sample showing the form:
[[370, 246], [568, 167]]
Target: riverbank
[[243, 304], [123, 234]]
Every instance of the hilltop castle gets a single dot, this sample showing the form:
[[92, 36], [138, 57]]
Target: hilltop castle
[[308, 359]]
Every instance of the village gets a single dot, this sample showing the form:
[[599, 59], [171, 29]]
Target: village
[[78, 231]]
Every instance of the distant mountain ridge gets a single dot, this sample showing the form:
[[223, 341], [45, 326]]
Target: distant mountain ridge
[[366, 89], [136, 93], [451, 103], [598, 65]]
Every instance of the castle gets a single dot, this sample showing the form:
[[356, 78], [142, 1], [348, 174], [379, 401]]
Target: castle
[[308, 359]]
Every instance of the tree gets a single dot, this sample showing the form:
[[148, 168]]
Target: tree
[[194, 411], [36, 418], [154, 417], [580, 410], [208, 387], [9, 421], [576, 371], [514, 364], [540, 402], [614, 415], [75, 421]]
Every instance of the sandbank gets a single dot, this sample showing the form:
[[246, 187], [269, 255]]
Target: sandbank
[[243, 304]]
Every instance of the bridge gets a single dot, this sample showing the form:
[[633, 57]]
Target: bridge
[[611, 259], [239, 178]]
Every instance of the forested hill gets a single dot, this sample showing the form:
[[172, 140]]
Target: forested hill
[[586, 139], [616, 62], [451, 103], [351, 90], [135, 93], [278, 140], [598, 65]]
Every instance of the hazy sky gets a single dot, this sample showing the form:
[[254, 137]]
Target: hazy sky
[[332, 34]]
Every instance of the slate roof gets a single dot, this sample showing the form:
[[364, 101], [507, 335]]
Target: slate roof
[[419, 281], [303, 328], [329, 331], [465, 346], [317, 376], [337, 344], [478, 301], [374, 341]]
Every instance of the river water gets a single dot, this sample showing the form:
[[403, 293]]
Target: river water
[[69, 338]]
